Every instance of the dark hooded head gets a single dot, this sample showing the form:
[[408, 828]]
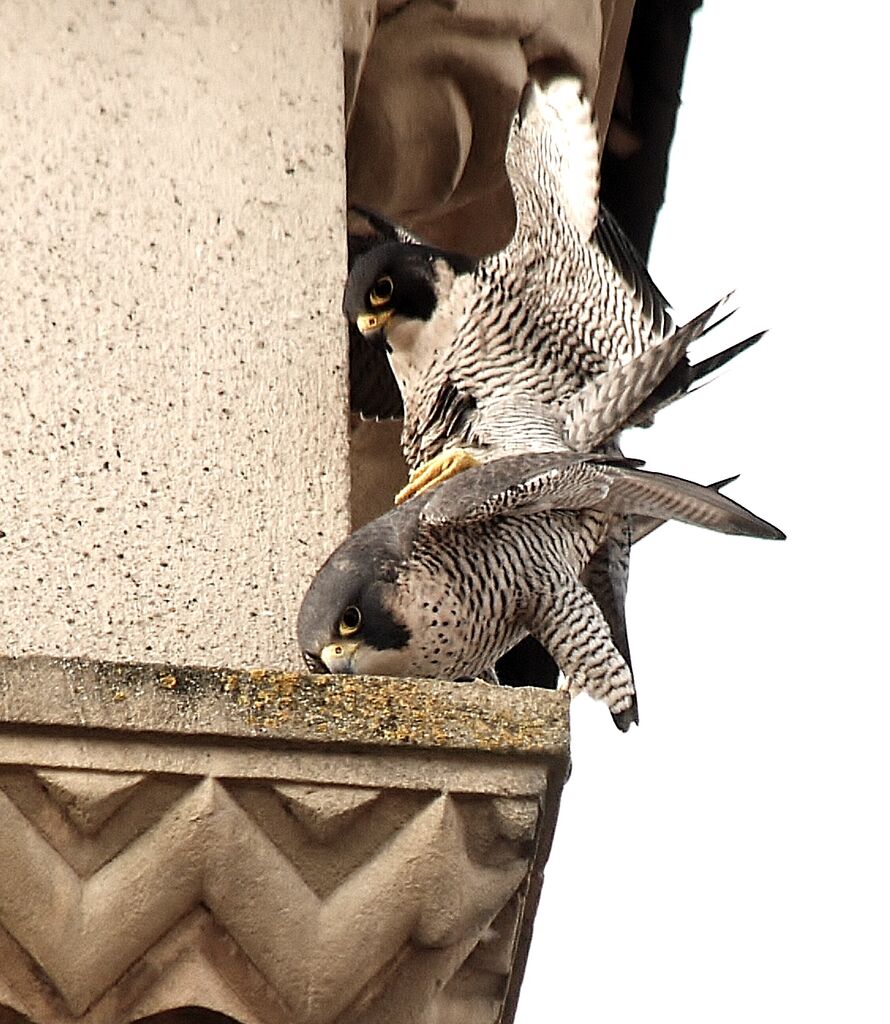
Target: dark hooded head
[[396, 279], [348, 620]]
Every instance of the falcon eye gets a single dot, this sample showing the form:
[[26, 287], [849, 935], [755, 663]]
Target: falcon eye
[[381, 293], [350, 621]]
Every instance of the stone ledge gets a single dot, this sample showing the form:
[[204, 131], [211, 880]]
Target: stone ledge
[[268, 846], [282, 705]]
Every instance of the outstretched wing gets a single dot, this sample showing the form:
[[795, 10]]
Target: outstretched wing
[[618, 249], [527, 484], [641, 526], [552, 160], [609, 402]]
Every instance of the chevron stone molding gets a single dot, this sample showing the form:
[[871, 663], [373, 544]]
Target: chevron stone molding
[[189, 845]]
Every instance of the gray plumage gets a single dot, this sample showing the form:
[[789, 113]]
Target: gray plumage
[[556, 343], [443, 585], [564, 311]]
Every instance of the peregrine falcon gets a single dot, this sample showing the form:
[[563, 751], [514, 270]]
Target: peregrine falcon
[[555, 343], [444, 584], [563, 307]]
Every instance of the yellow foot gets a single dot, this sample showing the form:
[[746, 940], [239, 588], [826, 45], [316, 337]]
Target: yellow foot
[[446, 464]]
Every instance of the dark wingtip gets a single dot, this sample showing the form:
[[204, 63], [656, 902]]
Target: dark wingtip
[[706, 366], [625, 719], [722, 320], [718, 485], [752, 525], [763, 530]]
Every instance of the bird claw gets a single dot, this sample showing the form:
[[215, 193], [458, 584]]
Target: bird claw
[[445, 465]]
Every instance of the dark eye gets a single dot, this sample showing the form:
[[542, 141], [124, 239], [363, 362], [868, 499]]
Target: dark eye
[[350, 621], [381, 293]]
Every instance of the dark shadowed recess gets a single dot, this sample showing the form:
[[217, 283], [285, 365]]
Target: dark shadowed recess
[[635, 162]]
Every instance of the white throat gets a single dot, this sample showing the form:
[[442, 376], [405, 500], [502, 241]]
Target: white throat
[[419, 344]]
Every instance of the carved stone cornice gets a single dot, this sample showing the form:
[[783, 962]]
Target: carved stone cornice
[[270, 846]]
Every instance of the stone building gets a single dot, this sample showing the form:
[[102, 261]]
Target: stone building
[[190, 831]]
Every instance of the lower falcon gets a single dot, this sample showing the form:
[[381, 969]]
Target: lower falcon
[[446, 583]]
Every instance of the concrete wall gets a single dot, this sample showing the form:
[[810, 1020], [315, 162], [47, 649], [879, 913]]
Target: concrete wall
[[173, 427]]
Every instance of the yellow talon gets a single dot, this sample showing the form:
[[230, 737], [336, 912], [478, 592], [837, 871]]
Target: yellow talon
[[446, 464]]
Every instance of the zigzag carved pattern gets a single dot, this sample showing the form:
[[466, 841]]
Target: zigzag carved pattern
[[185, 883]]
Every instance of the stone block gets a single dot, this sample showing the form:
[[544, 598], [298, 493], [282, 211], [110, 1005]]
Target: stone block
[[268, 846], [174, 456]]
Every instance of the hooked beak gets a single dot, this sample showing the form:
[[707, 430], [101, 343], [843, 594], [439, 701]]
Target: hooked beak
[[314, 663], [370, 323], [340, 657]]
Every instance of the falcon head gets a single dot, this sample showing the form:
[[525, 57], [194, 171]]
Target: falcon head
[[348, 622], [396, 287]]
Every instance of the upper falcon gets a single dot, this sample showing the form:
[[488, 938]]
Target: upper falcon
[[564, 306]]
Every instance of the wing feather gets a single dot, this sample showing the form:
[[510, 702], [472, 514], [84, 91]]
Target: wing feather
[[618, 249], [553, 151], [609, 402], [527, 484]]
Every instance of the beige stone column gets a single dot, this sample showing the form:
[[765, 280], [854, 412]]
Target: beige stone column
[[173, 425]]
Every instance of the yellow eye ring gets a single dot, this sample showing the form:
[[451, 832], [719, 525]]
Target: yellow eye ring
[[381, 293], [350, 621]]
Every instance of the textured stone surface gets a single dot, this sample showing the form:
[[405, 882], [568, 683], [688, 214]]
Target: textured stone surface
[[431, 88], [205, 849], [173, 427], [195, 702]]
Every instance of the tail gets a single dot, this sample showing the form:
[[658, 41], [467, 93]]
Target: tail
[[681, 378], [607, 404]]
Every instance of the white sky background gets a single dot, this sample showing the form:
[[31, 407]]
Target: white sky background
[[728, 860]]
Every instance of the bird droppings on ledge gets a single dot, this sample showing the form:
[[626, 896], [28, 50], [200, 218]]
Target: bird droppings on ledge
[[353, 710]]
